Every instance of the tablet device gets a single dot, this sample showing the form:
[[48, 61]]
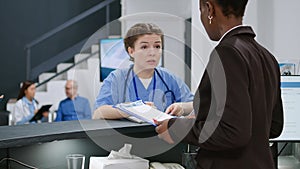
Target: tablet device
[[39, 114]]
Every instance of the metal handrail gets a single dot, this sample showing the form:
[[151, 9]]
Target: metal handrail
[[66, 69], [60, 28]]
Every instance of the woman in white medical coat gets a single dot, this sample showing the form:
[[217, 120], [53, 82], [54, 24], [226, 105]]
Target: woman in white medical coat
[[26, 106]]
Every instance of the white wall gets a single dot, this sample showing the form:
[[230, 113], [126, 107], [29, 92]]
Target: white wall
[[276, 24], [179, 8], [170, 16], [286, 29], [202, 45]]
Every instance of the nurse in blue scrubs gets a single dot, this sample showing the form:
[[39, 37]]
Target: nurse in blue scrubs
[[143, 80]]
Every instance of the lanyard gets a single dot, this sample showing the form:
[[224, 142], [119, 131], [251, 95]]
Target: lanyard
[[135, 89]]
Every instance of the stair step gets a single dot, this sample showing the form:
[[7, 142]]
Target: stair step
[[78, 74], [41, 88], [56, 87], [95, 48], [46, 76], [53, 95], [62, 66], [43, 98], [79, 57], [96, 55], [85, 73], [93, 63]]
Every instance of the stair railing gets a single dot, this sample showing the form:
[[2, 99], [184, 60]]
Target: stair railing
[[63, 26], [66, 69]]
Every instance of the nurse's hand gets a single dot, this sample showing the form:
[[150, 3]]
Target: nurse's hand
[[151, 104], [122, 114], [175, 109]]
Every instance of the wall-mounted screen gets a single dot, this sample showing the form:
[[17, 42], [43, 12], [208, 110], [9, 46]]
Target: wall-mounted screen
[[112, 56], [290, 94]]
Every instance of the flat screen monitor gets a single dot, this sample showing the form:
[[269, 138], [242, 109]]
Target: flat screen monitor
[[290, 94], [113, 56]]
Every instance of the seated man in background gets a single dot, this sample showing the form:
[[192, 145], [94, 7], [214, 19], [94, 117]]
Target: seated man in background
[[73, 107]]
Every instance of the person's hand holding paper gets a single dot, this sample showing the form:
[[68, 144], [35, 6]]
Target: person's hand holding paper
[[143, 111], [151, 104], [162, 130]]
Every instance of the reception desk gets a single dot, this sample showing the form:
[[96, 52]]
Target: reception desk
[[46, 145]]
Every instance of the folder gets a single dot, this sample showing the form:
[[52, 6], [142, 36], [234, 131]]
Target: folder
[[39, 114], [143, 112]]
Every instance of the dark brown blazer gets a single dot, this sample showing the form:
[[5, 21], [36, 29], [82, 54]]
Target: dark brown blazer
[[238, 106]]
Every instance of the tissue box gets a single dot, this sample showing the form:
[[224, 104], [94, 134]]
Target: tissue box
[[105, 163]]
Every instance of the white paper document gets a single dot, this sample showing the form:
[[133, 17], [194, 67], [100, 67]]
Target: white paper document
[[290, 94], [143, 112]]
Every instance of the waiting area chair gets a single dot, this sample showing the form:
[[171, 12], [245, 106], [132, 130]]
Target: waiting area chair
[[4, 118]]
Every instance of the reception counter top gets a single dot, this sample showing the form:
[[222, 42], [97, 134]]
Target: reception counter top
[[23, 135], [45, 145]]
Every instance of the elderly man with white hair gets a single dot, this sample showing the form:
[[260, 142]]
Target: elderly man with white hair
[[74, 107]]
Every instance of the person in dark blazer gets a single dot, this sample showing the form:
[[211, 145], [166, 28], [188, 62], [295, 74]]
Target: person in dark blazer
[[238, 103]]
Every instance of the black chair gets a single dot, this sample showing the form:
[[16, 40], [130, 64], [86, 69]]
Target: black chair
[[4, 115]]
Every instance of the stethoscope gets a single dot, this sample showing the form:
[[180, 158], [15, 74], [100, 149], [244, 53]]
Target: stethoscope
[[173, 98]]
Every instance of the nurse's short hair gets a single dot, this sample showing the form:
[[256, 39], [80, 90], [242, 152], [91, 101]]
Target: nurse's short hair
[[138, 30]]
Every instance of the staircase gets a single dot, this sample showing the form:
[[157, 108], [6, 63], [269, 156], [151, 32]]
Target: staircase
[[50, 88], [85, 72]]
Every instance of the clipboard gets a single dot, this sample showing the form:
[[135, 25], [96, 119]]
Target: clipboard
[[39, 114], [143, 112]]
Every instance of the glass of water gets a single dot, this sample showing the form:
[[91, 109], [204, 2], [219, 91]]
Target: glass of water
[[75, 161]]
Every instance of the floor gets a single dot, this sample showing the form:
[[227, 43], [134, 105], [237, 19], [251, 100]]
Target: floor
[[288, 162]]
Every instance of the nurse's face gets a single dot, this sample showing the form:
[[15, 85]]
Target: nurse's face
[[147, 51]]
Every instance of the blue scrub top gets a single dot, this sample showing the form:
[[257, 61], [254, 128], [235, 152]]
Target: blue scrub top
[[112, 90], [76, 109]]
